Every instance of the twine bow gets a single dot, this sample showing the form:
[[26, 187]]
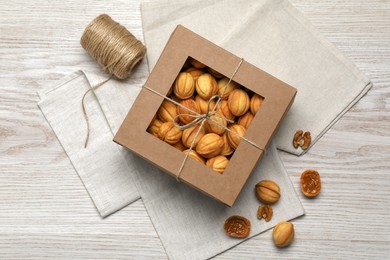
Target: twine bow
[[202, 118]]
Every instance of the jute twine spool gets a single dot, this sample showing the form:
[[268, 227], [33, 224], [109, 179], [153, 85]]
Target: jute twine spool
[[112, 46], [115, 49]]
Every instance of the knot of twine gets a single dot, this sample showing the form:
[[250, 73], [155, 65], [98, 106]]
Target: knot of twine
[[202, 118], [115, 49], [198, 118]]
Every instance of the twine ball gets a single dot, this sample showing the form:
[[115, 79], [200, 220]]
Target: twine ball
[[112, 46]]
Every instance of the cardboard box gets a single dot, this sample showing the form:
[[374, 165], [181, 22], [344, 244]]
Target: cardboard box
[[278, 97]]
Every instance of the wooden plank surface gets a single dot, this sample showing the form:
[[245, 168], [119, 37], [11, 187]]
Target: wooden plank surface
[[45, 211]]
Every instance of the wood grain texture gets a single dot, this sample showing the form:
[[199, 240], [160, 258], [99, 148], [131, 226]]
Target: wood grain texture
[[45, 211]]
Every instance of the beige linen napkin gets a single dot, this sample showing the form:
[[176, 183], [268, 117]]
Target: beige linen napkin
[[101, 167], [187, 222], [275, 37], [190, 225]]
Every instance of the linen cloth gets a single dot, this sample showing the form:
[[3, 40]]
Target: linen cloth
[[274, 36], [101, 166], [189, 223]]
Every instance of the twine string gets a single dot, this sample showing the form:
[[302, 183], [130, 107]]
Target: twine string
[[202, 118], [189, 150], [84, 109], [227, 84]]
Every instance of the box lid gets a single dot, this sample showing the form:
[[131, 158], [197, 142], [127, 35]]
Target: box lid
[[278, 97]]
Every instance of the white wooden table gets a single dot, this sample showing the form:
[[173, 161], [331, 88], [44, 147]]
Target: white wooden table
[[45, 212]]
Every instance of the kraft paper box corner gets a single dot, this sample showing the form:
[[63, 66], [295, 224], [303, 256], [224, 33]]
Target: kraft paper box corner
[[278, 97]]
